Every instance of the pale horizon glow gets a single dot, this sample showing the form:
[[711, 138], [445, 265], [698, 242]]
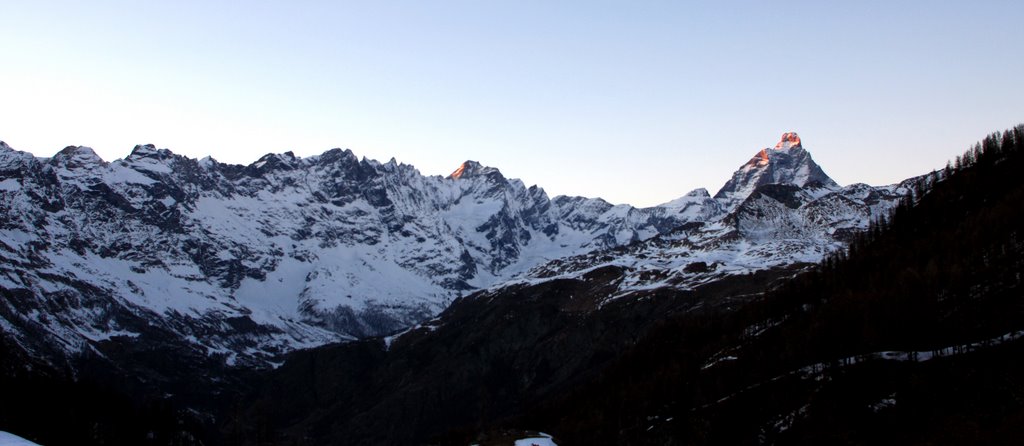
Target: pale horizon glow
[[635, 102]]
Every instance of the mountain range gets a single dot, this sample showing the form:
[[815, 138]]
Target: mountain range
[[245, 263]]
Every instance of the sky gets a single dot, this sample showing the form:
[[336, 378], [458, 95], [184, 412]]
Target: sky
[[636, 102]]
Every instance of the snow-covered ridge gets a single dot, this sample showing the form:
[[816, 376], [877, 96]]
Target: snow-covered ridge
[[299, 251]]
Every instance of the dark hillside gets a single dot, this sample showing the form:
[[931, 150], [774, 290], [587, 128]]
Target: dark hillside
[[489, 357]]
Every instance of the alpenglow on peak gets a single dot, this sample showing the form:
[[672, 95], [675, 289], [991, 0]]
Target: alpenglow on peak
[[789, 140], [471, 169]]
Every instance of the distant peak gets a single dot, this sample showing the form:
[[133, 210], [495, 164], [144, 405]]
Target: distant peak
[[77, 156], [789, 140], [78, 150], [76, 160], [274, 161], [144, 149], [149, 151], [337, 155], [467, 168], [699, 192], [471, 169], [4, 146]]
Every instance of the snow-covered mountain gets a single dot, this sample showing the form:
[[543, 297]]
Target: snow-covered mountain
[[251, 261], [244, 263]]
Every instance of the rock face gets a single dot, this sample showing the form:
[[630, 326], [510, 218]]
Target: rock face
[[244, 263]]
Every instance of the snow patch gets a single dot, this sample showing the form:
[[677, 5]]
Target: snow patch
[[10, 185]]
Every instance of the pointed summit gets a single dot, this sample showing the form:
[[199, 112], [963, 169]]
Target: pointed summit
[[274, 161], [470, 169], [787, 163], [149, 151], [13, 160], [789, 140], [77, 157]]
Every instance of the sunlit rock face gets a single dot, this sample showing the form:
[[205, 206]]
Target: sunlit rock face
[[789, 140], [471, 169]]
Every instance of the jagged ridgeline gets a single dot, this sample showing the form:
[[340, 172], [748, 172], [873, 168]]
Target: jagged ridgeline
[[285, 253]]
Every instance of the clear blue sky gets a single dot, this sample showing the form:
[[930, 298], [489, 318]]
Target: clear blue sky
[[632, 101]]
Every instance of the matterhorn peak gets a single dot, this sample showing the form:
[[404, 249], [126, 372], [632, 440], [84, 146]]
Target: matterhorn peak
[[787, 163], [470, 169], [788, 141]]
